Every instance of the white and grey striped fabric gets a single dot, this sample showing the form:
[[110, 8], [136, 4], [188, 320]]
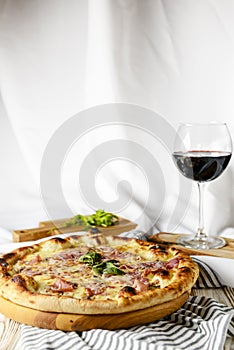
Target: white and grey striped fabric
[[200, 324]]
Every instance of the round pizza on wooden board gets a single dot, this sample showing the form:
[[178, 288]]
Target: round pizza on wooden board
[[95, 275]]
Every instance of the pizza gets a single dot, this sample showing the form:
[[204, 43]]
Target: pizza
[[93, 274]]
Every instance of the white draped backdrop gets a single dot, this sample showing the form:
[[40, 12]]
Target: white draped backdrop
[[60, 58]]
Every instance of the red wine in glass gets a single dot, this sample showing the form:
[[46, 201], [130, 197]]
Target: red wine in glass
[[202, 152], [202, 165]]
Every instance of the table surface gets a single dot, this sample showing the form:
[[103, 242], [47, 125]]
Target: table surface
[[10, 332]]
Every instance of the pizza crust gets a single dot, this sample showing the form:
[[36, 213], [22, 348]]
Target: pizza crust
[[20, 289]]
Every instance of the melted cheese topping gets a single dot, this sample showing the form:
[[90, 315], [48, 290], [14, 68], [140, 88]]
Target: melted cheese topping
[[60, 271]]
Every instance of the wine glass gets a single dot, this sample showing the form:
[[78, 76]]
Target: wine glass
[[201, 152]]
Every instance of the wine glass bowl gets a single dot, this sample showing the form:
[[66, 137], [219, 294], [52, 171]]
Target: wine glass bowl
[[202, 152]]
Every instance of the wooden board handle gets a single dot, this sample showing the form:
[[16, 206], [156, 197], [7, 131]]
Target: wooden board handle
[[171, 238], [33, 234]]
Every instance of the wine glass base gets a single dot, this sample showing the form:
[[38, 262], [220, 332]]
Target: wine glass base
[[201, 244]]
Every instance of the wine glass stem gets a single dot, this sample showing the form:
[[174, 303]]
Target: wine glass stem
[[200, 231]]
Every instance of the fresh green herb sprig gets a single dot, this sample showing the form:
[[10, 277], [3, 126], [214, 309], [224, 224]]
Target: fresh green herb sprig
[[91, 258], [99, 218], [107, 267]]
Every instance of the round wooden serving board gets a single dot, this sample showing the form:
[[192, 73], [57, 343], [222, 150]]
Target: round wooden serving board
[[71, 322]]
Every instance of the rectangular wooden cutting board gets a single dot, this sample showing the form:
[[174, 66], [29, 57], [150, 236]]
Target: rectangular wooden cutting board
[[51, 228], [171, 238]]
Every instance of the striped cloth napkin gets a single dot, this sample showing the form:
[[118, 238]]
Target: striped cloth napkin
[[200, 324]]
